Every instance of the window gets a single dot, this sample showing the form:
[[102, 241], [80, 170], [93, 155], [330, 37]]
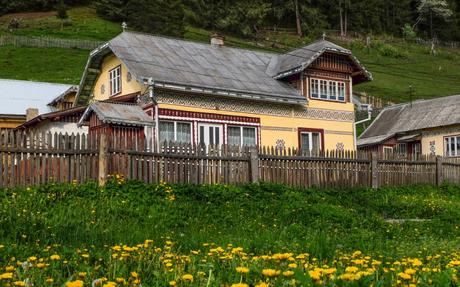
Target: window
[[452, 146], [310, 141], [401, 148], [175, 132], [327, 90], [115, 81], [314, 88], [241, 136]]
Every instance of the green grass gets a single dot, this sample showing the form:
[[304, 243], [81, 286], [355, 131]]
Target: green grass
[[260, 218], [46, 65], [83, 23], [395, 67]]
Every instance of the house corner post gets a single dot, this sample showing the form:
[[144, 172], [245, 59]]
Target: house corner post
[[254, 164], [439, 170], [103, 160], [374, 170]]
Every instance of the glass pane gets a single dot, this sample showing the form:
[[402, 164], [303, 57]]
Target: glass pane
[[184, 133], [217, 135], [323, 89], [234, 136], [458, 147], [202, 135], [166, 131], [249, 136], [305, 141], [211, 135], [314, 89], [315, 142], [341, 90], [452, 147], [447, 147], [333, 90]]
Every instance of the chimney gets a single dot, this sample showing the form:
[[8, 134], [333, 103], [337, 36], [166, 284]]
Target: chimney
[[31, 113], [217, 40]]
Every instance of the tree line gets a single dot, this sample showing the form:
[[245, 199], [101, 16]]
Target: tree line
[[423, 18]]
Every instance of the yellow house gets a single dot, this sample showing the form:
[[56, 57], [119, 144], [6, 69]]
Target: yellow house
[[214, 94], [428, 127]]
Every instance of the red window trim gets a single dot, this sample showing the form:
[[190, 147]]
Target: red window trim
[[304, 130], [208, 116]]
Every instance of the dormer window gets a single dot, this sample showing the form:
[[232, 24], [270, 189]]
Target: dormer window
[[327, 90], [115, 81]]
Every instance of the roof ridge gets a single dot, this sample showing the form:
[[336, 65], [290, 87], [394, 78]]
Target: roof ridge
[[196, 42]]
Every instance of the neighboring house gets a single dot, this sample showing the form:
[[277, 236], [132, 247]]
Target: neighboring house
[[63, 118], [65, 100], [23, 100], [429, 127], [214, 94], [63, 121]]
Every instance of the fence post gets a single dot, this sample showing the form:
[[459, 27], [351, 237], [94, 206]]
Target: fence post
[[103, 166], [254, 164], [439, 170], [374, 170]]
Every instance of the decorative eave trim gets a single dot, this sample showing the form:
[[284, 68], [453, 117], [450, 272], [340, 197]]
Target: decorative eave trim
[[307, 63]]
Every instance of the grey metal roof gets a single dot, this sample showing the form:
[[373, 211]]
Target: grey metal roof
[[219, 70], [186, 63], [17, 96], [404, 118], [118, 113], [299, 59]]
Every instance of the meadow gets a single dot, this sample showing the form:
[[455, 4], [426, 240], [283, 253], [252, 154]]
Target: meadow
[[132, 234]]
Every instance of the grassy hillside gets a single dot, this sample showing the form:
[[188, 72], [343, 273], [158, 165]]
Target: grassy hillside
[[199, 228], [395, 66]]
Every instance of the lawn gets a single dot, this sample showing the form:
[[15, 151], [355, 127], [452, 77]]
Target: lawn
[[45, 65], [280, 234], [83, 23]]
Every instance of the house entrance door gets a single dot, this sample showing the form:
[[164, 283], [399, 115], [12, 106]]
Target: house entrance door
[[210, 134]]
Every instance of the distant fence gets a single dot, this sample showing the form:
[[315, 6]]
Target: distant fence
[[31, 159], [46, 42]]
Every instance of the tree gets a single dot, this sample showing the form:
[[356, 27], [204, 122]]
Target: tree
[[62, 12], [297, 18], [428, 9], [156, 16], [114, 10]]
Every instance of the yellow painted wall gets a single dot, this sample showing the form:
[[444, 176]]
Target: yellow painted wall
[[437, 136], [108, 64], [10, 123], [272, 127]]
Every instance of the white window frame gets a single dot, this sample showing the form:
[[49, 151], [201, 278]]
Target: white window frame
[[448, 141], [317, 86], [241, 133], [115, 81], [310, 140], [175, 128]]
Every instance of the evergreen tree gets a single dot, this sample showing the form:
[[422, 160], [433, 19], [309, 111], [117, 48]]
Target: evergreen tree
[[61, 13], [156, 16]]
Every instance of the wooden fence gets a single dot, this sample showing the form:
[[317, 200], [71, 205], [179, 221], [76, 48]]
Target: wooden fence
[[31, 159], [47, 42]]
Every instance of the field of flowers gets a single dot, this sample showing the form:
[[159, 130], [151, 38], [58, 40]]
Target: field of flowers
[[146, 264], [254, 235]]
